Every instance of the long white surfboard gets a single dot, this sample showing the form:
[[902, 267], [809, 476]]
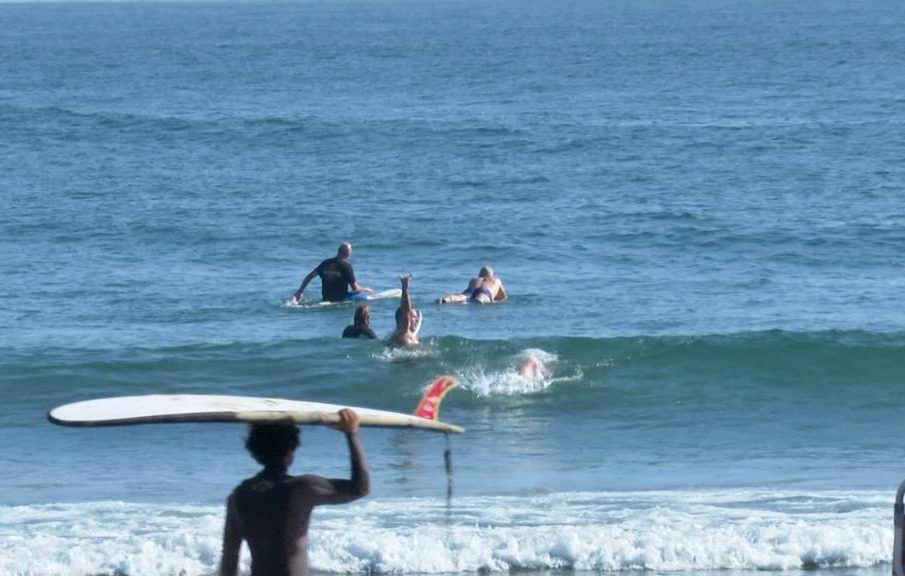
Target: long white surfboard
[[163, 408], [391, 293]]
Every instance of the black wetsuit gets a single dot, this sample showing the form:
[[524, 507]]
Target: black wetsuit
[[271, 510], [353, 331], [336, 276]]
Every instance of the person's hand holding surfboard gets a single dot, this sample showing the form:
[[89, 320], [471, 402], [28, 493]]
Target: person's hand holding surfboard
[[348, 421]]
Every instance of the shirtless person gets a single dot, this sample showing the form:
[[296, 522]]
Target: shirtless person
[[271, 510], [337, 277], [484, 289], [533, 369], [408, 320]]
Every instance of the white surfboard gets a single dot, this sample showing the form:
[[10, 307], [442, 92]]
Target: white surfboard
[[391, 293], [164, 408]]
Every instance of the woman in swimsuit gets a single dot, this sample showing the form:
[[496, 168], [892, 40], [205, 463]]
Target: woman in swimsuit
[[484, 289]]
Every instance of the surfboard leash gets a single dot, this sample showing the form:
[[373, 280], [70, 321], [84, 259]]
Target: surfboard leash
[[447, 460]]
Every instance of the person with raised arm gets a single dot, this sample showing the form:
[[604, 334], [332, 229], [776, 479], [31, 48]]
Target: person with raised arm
[[408, 319], [271, 510]]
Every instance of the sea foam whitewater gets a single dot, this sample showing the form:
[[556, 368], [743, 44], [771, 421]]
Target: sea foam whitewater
[[652, 531], [696, 208]]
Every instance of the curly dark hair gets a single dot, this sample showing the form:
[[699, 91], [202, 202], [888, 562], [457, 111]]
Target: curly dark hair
[[269, 443]]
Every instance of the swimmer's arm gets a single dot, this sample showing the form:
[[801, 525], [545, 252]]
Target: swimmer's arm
[[232, 542], [501, 293], [352, 281], [308, 278], [405, 302]]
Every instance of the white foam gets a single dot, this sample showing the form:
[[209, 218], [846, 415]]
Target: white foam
[[108, 538], [509, 381], [399, 353], [657, 531]]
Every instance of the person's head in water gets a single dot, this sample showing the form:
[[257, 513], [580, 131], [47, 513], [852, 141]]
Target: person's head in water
[[270, 444], [344, 251], [362, 317], [486, 272]]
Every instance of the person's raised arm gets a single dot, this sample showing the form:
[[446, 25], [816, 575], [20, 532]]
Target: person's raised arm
[[341, 491], [405, 301], [501, 293], [348, 424]]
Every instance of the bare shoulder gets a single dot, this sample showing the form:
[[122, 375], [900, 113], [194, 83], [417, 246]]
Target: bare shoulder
[[306, 480]]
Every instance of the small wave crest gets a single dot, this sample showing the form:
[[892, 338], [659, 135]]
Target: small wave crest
[[530, 371], [401, 354]]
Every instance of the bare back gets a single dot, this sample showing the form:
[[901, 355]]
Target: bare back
[[272, 510], [485, 289]]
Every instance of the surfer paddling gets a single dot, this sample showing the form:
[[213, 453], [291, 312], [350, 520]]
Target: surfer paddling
[[337, 278], [485, 288], [408, 319], [533, 369], [271, 510]]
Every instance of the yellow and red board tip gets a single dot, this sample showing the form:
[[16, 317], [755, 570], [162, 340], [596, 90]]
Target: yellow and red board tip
[[429, 406]]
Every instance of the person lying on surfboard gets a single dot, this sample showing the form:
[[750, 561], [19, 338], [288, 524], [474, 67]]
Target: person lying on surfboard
[[408, 319], [271, 511], [483, 289], [338, 282], [361, 324]]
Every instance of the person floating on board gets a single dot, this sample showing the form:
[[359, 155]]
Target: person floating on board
[[483, 289], [408, 319], [271, 511], [337, 278], [361, 324]]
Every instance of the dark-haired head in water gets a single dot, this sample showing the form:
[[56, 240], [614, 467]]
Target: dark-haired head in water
[[361, 324]]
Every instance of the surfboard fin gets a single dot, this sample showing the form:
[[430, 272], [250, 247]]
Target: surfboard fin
[[429, 406]]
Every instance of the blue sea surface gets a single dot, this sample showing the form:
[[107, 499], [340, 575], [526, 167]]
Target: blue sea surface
[[696, 206]]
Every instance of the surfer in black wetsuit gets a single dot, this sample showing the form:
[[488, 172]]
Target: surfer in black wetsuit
[[271, 510], [483, 289], [337, 277], [361, 324]]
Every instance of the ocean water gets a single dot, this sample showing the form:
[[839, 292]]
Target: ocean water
[[696, 206]]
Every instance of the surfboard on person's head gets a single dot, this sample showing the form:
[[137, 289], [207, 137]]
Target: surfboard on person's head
[[172, 408]]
